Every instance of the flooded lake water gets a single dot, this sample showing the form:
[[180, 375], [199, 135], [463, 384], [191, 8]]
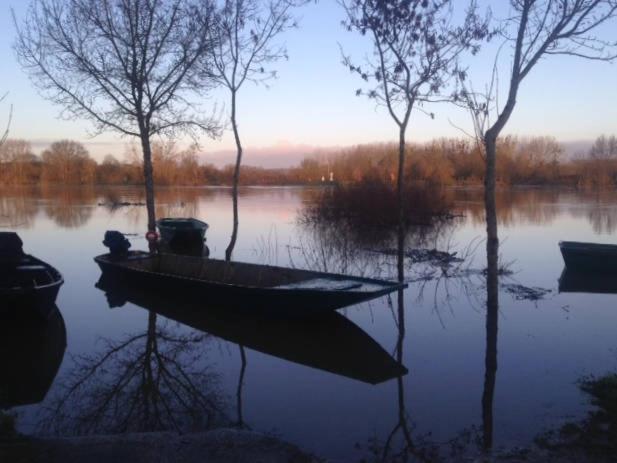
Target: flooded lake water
[[312, 385]]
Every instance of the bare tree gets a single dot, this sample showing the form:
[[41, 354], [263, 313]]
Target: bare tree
[[127, 66], [17, 161], [5, 134], [247, 31], [66, 162], [415, 54], [536, 29], [604, 148]]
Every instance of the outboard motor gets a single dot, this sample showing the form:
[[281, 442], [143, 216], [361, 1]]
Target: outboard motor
[[117, 243], [11, 248]]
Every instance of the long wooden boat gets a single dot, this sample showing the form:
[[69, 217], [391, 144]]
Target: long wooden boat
[[239, 284], [572, 281], [330, 343], [589, 257], [24, 279], [31, 352]]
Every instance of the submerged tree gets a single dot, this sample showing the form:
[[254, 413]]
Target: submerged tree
[[536, 29], [247, 30], [416, 48], [127, 66]]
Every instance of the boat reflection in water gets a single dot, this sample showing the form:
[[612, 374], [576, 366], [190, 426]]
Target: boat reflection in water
[[331, 343], [31, 352], [581, 282]]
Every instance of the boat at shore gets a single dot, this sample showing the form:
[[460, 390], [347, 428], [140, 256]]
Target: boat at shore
[[243, 285], [330, 343], [24, 279]]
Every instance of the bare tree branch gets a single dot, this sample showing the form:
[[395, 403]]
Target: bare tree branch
[[537, 29], [247, 30], [415, 56]]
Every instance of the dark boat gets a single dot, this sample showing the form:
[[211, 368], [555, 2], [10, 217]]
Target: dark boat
[[237, 284], [183, 236], [24, 279], [181, 229], [31, 352], [589, 257], [331, 343], [572, 281]]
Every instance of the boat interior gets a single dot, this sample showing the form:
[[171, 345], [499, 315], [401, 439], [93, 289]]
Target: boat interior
[[220, 271], [26, 272], [245, 274]]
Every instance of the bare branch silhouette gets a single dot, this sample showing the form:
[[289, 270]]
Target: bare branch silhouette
[[536, 29], [145, 382], [128, 67], [247, 30], [416, 48]]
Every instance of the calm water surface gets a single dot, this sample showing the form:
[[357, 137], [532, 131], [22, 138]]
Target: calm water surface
[[544, 346]]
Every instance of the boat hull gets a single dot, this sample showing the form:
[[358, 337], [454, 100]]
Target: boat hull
[[589, 257], [303, 302]]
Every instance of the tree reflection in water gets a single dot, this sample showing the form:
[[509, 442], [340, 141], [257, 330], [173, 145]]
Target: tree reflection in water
[[71, 207], [490, 360], [240, 420], [336, 244], [400, 445], [17, 210], [145, 382]]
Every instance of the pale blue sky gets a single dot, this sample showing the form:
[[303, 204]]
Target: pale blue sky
[[313, 101]]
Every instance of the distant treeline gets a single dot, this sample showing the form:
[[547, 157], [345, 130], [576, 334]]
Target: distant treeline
[[520, 161]]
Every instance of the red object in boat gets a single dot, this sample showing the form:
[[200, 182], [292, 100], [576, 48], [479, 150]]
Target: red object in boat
[[152, 237]]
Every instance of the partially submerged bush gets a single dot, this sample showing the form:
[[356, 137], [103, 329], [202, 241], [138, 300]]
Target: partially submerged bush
[[374, 202], [365, 213]]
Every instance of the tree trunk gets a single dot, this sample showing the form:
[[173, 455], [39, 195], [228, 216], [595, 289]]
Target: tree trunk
[[148, 180], [401, 203], [236, 179], [492, 290], [490, 204]]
